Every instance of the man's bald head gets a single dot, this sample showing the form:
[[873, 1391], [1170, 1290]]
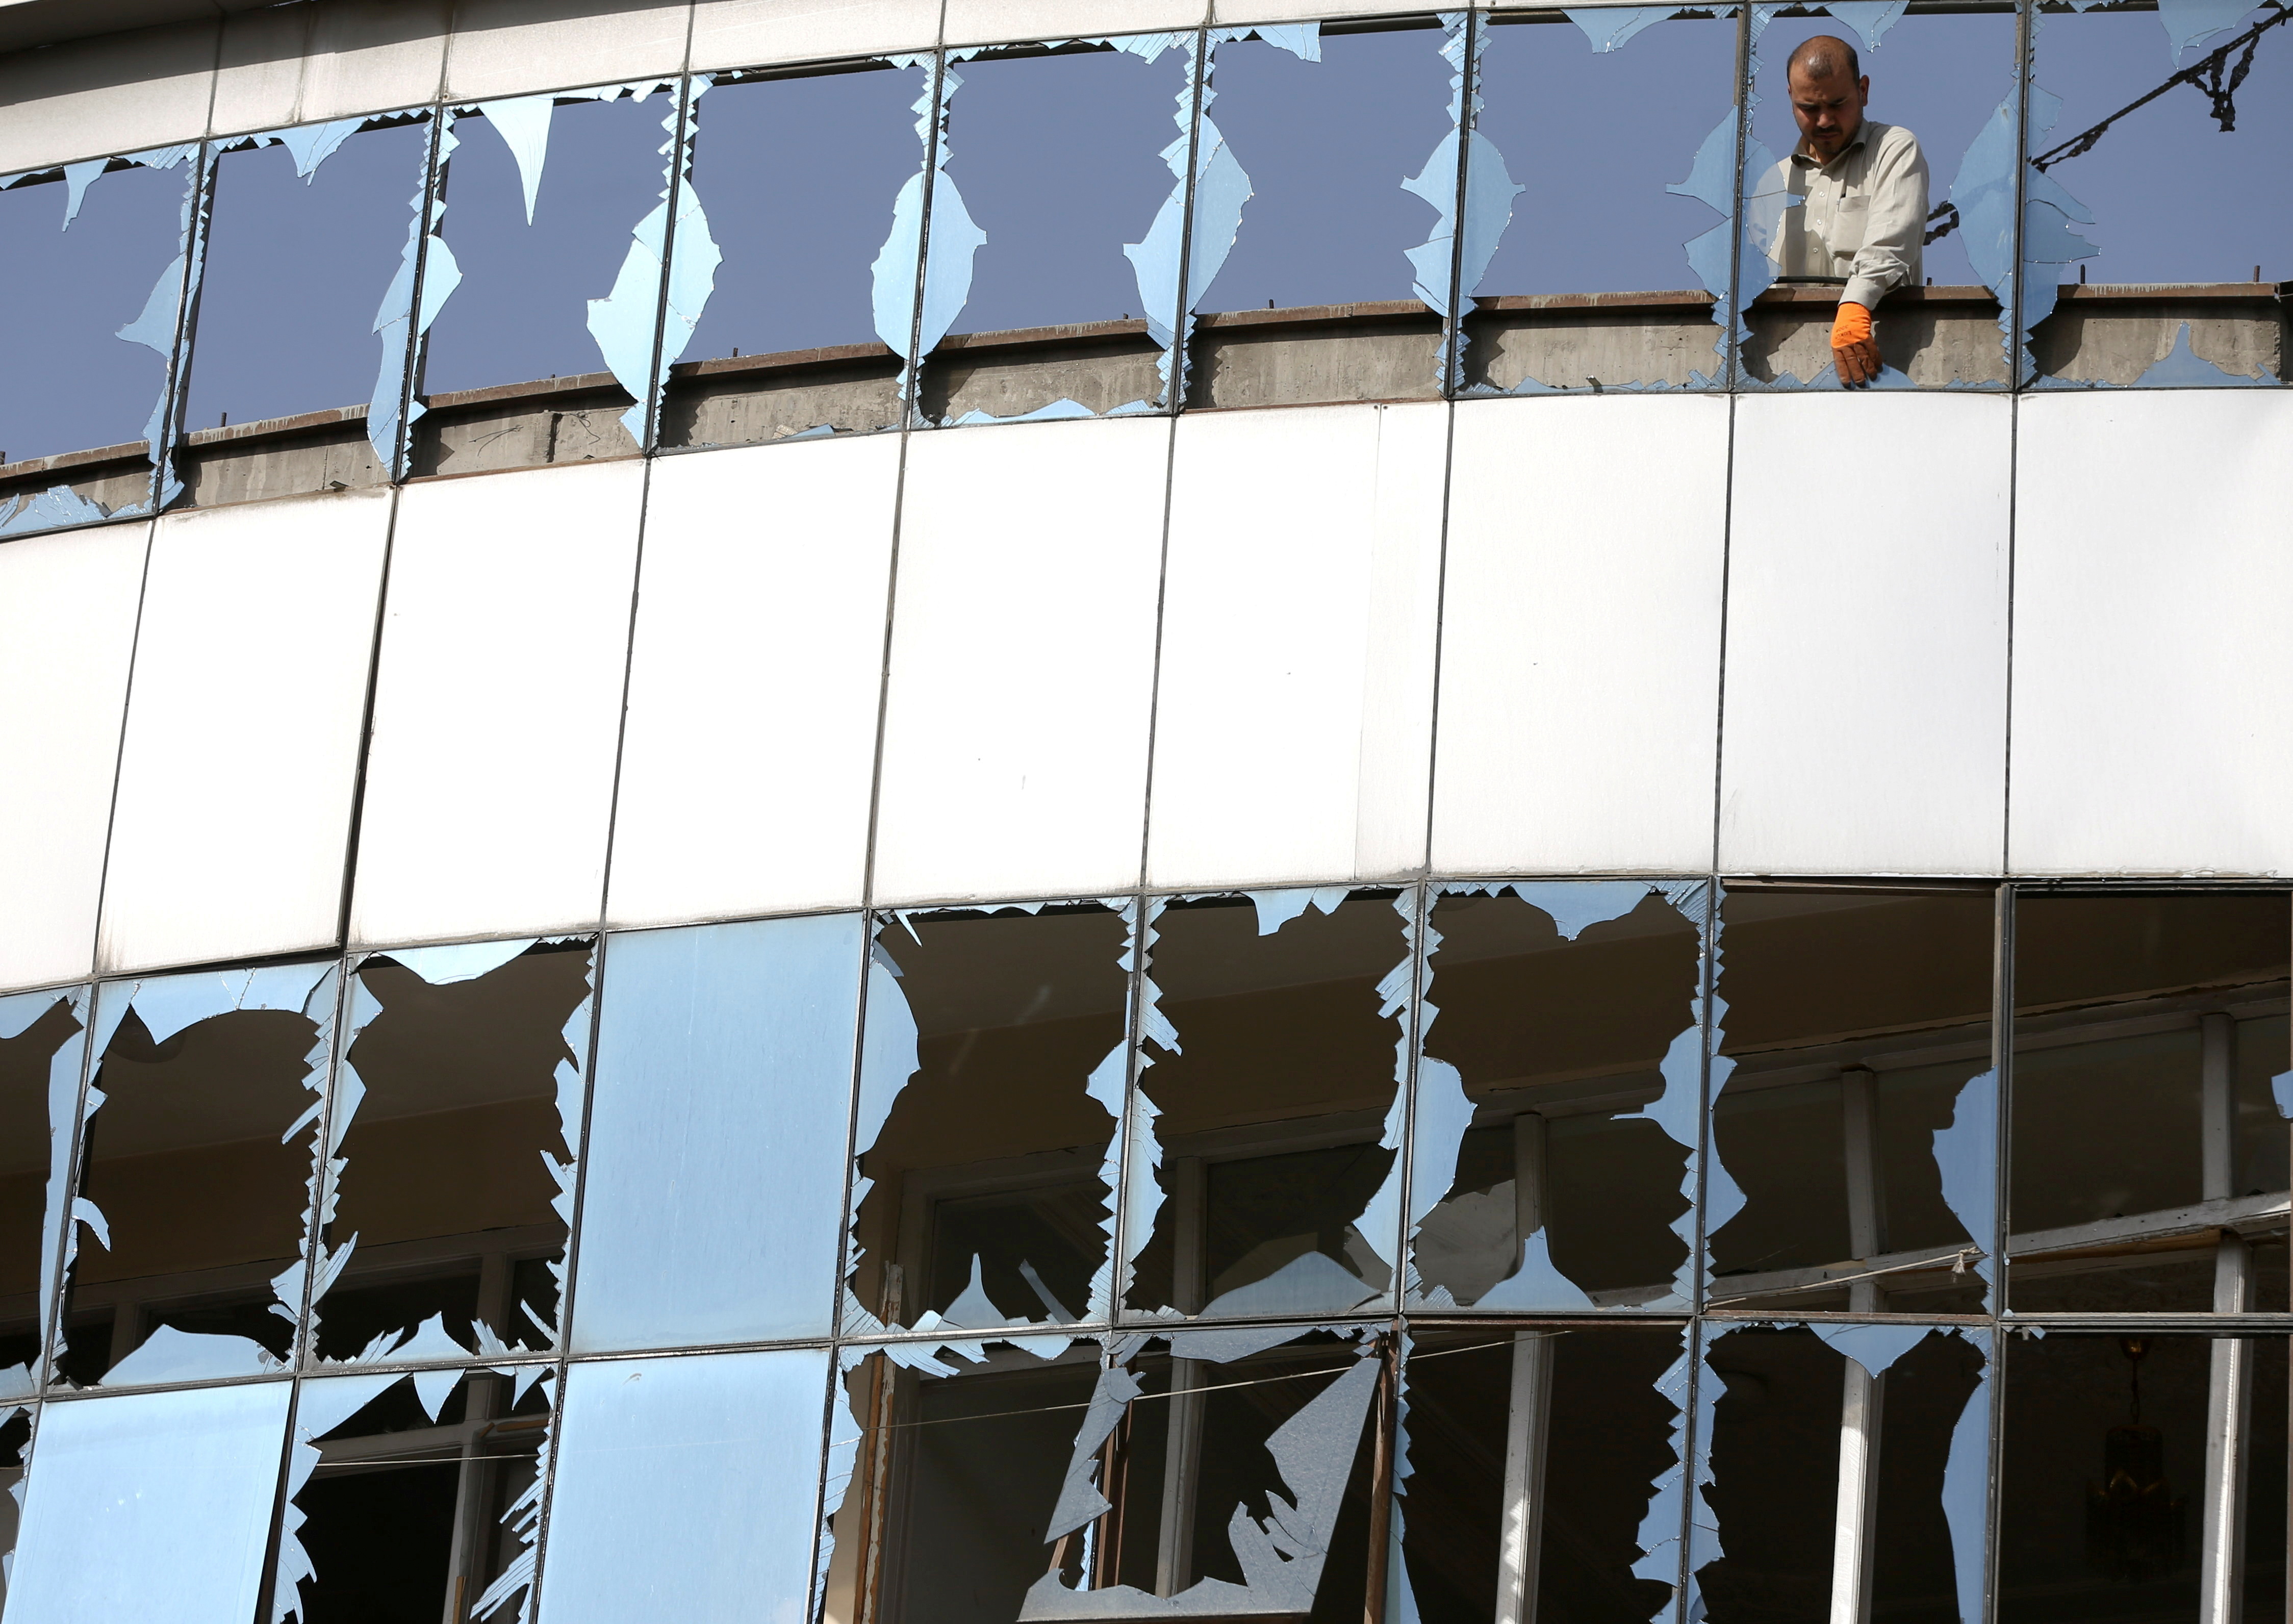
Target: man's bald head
[[1827, 93], [1822, 57]]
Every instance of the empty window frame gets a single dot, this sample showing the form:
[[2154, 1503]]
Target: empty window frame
[[1032, 1481], [1054, 182], [544, 273], [452, 1141], [1277, 1039], [2159, 216], [1946, 72], [2142, 1476], [296, 330], [1534, 1460], [92, 287], [1326, 195], [42, 1041], [2148, 1159], [1600, 264], [798, 174], [184, 1256], [404, 1494], [991, 1082], [1847, 1473], [1556, 1104], [1858, 1115]]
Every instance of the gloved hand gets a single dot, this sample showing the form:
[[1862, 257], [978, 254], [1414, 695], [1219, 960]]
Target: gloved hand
[[1854, 352]]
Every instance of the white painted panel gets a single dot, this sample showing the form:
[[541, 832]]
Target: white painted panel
[[970, 22], [258, 81], [302, 64], [115, 93], [506, 47], [1864, 722], [240, 762], [1022, 650], [1295, 711], [2153, 677], [369, 55], [1240, 13], [1580, 649], [66, 635], [751, 744], [489, 782], [752, 33]]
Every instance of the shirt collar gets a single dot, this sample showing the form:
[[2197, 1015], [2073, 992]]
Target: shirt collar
[[1806, 159]]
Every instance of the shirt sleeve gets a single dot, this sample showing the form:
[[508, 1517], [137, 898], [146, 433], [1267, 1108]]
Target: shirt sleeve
[[1895, 229]]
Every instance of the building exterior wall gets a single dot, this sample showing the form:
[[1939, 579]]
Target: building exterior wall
[[721, 722]]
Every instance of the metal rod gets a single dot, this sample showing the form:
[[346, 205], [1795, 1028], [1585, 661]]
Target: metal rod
[[1174, 1551], [1384, 1424], [1855, 1523], [2229, 1390], [1520, 1539]]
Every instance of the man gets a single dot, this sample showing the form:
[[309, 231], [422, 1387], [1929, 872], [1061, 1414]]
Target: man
[[1856, 199]]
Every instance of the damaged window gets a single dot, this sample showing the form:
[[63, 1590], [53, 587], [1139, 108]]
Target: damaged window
[[1326, 166], [450, 1151], [1211, 1474], [1557, 1097], [2157, 231], [1266, 1145], [1854, 228], [787, 342], [992, 1081], [1624, 293], [1859, 1114], [1531, 1464], [2142, 1476], [1846, 1475], [42, 1043], [94, 279], [2149, 1161], [1055, 177], [542, 283], [307, 248], [184, 1251], [403, 1495]]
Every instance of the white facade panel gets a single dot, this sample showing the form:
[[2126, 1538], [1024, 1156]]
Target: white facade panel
[[1580, 650], [1294, 712], [750, 747], [1023, 656], [510, 47], [2153, 671], [973, 23], [1865, 724], [301, 64], [498, 704], [240, 761], [753, 33], [1239, 13], [115, 93], [68, 606]]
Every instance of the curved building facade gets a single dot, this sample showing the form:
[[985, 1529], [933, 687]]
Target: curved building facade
[[981, 812]]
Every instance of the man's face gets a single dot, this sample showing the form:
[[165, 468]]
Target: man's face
[[1829, 109]]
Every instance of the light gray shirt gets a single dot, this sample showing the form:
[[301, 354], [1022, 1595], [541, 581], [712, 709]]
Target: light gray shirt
[[1861, 218]]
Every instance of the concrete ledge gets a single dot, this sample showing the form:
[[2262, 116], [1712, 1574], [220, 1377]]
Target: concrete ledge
[[1309, 355]]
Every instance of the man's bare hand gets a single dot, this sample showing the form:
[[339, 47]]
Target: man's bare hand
[[1854, 354]]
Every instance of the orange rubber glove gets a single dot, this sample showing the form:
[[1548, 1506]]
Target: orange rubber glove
[[1855, 354]]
